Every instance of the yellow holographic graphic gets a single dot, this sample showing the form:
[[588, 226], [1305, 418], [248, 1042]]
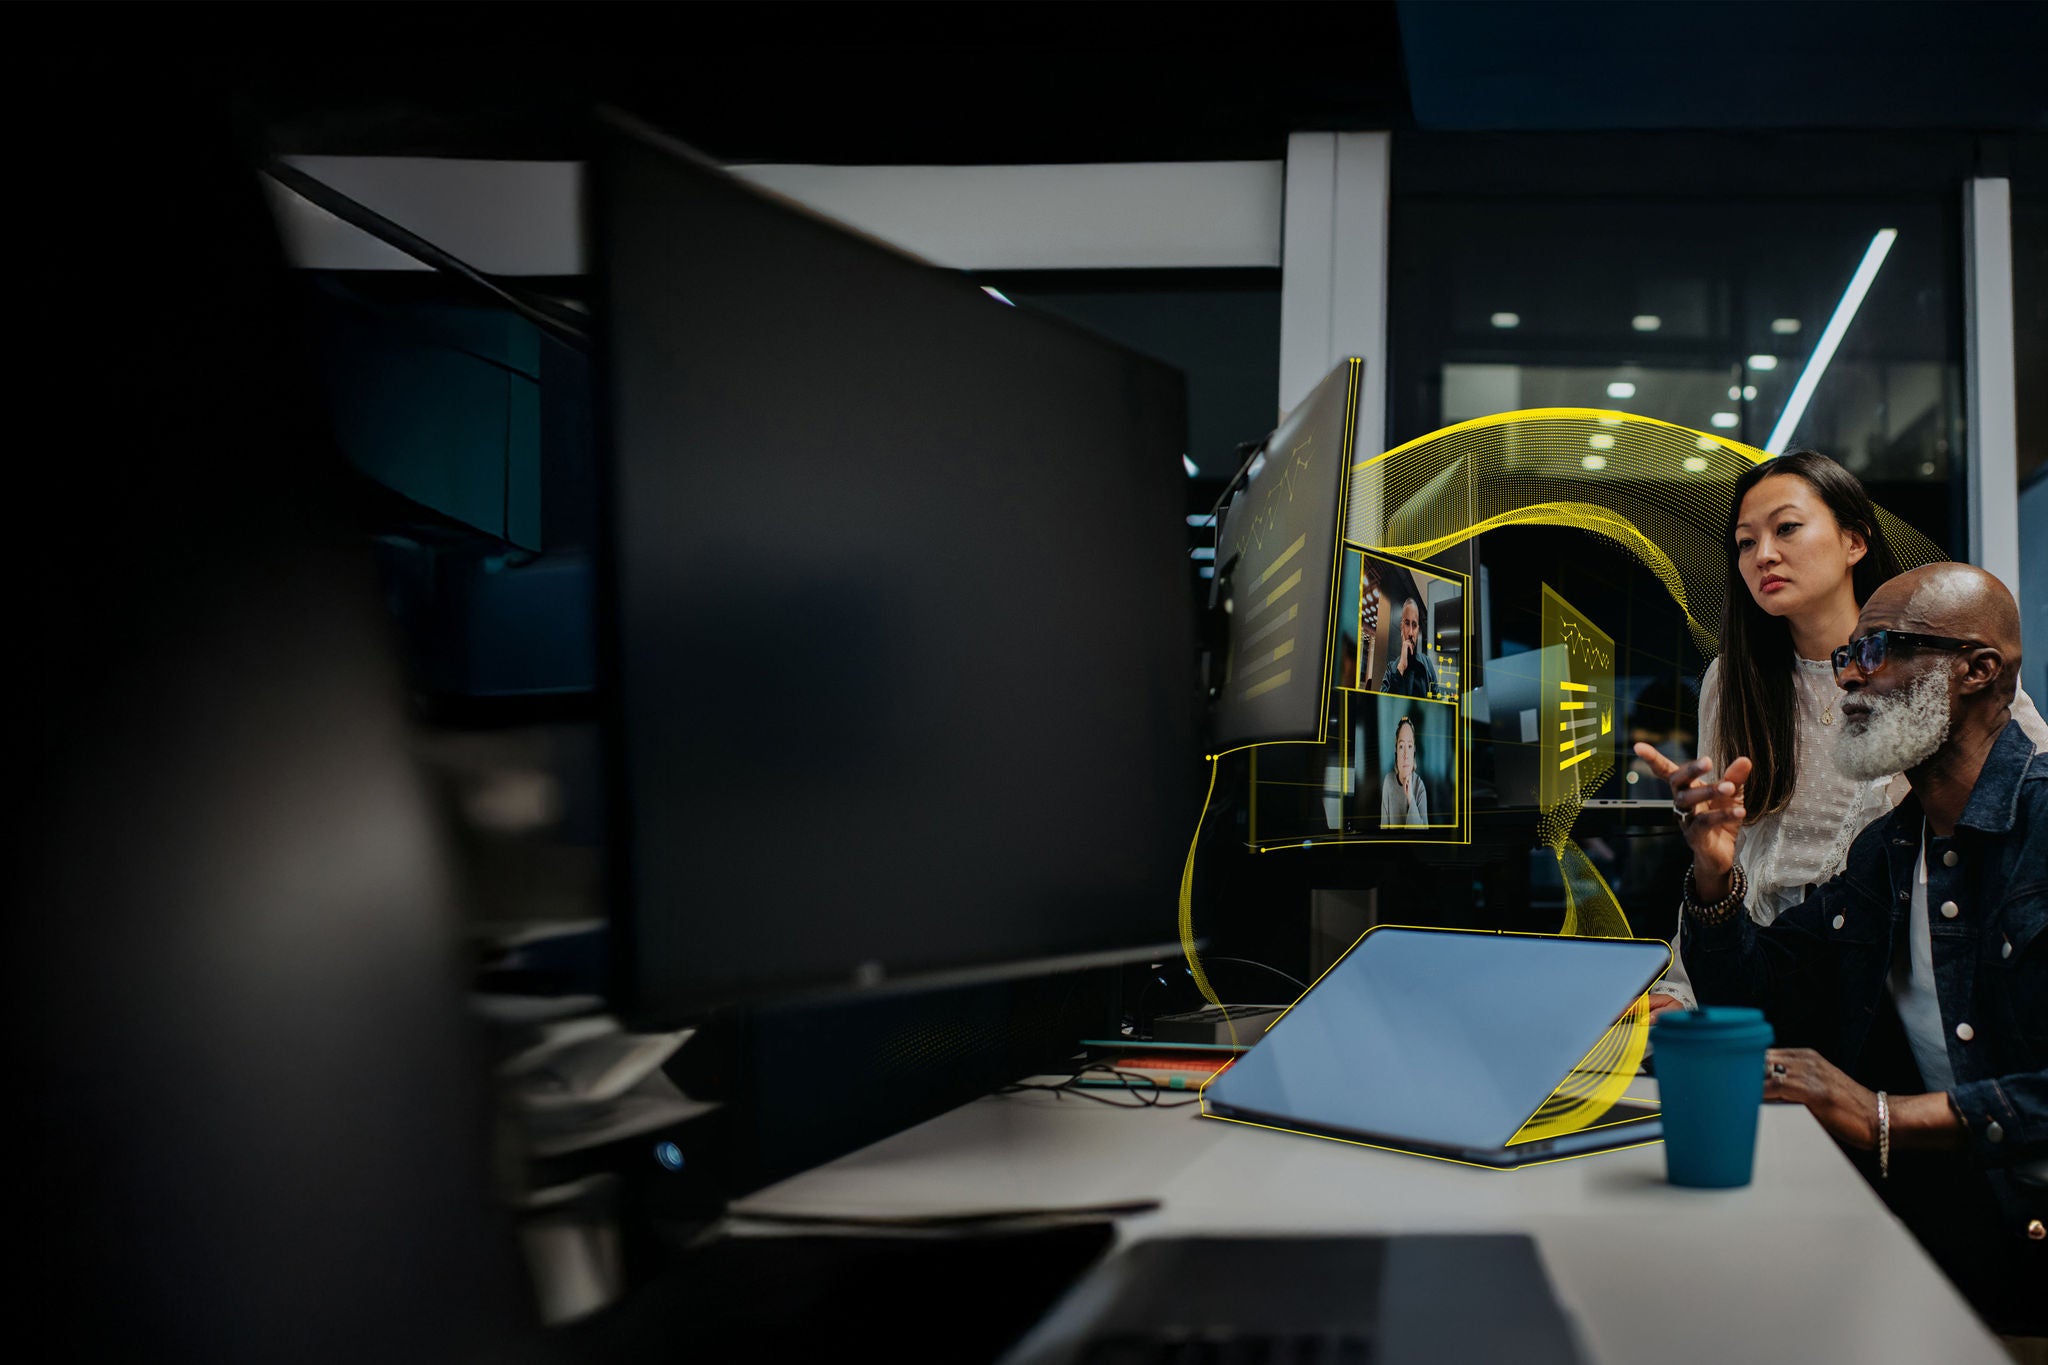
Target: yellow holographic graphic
[[1661, 493]]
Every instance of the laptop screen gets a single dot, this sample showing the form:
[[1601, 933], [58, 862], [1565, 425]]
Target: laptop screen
[[1438, 1037]]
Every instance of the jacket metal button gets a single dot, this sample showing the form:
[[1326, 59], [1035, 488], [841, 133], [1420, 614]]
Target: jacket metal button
[[2037, 1231], [1965, 1032], [2006, 951], [1949, 859], [1993, 1133], [1949, 909], [1840, 921]]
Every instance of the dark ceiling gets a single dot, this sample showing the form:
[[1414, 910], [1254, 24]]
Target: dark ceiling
[[968, 82]]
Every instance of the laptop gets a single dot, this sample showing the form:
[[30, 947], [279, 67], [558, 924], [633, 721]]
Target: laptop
[[1499, 1050]]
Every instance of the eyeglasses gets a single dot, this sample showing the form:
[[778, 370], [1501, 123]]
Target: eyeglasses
[[1870, 651]]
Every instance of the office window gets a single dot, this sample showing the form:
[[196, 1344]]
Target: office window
[[1706, 312]]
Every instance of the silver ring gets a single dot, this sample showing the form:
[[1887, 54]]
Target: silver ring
[[1778, 1071]]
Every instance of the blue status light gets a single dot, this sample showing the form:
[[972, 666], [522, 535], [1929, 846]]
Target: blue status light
[[669, 1155]]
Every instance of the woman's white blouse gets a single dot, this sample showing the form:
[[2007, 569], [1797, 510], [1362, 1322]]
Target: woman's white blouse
[[1786, 853]]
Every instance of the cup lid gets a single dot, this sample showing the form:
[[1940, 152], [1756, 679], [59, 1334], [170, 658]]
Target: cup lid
[[1710, 1020]]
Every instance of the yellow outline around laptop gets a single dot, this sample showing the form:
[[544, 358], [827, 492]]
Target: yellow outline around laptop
[[1613, 1061]]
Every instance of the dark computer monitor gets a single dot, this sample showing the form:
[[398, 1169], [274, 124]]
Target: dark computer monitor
[[1278, 560], [900, 656]]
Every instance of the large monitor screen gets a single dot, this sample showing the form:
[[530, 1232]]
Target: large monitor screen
[[902, 665], [1277, 566]]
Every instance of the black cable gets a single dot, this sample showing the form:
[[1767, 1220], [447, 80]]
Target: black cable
[[1144, 1090], [1296, 982]]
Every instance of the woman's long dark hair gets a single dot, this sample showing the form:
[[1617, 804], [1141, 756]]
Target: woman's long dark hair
[[1757, 701]]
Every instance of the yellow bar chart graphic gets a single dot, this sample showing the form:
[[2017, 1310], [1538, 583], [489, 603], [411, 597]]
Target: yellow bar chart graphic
[[1578, 701]]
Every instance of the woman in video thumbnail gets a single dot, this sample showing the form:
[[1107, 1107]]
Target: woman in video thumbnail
[[1404, 799], [1804, 551]]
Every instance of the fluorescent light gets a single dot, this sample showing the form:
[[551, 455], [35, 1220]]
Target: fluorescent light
[[1785, 327], [1207, 571], [1749, 393], [1725, 420], [1201, 518], [1600, 440], [1830, 338], [1202, 552], [1763, 362], [1695, 464], [1507, 320], [1189, 466], [1608, 421], [1621, 388], [995, 294], [1646, 322], [1706, 443], [1595, 462]]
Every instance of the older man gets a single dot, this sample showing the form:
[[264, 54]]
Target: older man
[[1912, 989], [1408, 672]]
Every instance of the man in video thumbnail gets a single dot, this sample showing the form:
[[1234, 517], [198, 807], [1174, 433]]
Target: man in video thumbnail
[[1408, 673]]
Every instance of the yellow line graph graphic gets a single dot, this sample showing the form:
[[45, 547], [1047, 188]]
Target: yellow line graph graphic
[[1297, 463]]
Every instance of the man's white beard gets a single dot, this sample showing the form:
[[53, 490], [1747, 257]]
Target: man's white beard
[[1901, 731]]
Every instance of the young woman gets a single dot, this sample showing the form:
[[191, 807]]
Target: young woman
[[1804, 551], [1404, 800]]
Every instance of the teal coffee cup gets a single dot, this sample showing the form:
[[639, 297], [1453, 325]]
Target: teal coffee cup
[[1710, 1082]]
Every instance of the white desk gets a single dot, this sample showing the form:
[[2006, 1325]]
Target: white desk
[[1804, 1264]]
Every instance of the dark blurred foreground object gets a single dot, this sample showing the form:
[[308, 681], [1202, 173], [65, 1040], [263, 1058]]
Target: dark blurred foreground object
[[910, 1296], [1410, 1300], [254, 1125]]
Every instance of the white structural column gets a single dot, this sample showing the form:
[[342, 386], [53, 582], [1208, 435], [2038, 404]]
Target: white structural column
[[1333, 263], [1993, 484], [1308, 266], [1333, 283]]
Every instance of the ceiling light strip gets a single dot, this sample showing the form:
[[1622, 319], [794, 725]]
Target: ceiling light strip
[[1824, 349]]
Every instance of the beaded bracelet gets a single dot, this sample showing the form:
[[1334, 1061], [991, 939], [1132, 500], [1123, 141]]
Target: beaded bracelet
[[1884, 1136], [1723, 910]]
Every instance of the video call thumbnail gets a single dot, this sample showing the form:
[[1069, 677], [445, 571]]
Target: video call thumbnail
[[1400, 628], [1406, 777], [1395, 766]]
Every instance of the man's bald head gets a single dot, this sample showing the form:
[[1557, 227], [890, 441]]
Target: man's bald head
[[1957, 600]]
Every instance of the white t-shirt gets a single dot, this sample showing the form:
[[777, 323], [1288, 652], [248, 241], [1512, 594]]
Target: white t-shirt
[[1912, 984]]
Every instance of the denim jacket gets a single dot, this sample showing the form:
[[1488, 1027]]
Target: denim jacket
[[1821, 971]]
